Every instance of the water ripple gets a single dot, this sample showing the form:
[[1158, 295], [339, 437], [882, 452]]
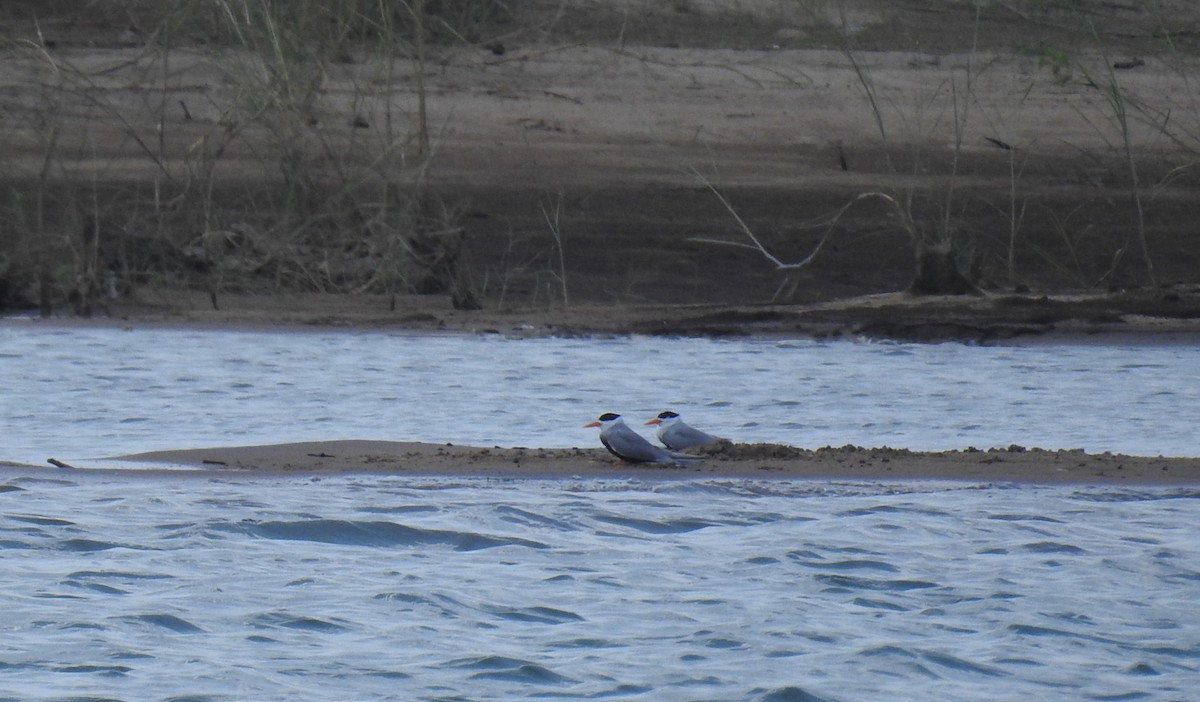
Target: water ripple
[[274, 620], [158, 385], [850, 582], [792, 694], [166, 621], [242, 587], [369, 534], [853, 564], [649, 526]]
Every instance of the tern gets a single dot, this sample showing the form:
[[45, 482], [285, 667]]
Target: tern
[[676, 435], [629, 446]]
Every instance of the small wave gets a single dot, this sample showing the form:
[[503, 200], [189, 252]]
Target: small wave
[[85, 545], [530, 673], [1025, 518], [40, 521], [96, 587], [851, 582], [1174, 651], [790, 694], [118, 574], [403, 597], [653, 526], [388, 674], [508, 669], [1141, 669], [893, 509], [7, 667], [1051, 547], [587, 643], [946, 660], [879, 604], [283, 620], [517, 515], [166, 621], [231, 502], [447, 607], [1132, 495], [401, 509], [450, 607], [625, 690], [537, 615], [849, 565], [1027, 662], [1034, 630], [487, 663], [887, 650], [39, 481], [56, 596], [375, 534], [112, 670]]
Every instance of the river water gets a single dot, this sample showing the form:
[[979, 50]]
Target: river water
[[82, 393], [189, 586]]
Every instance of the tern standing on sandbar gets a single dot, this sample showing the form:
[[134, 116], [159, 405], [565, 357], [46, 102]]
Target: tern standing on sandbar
[[676, 435], [629, 446]]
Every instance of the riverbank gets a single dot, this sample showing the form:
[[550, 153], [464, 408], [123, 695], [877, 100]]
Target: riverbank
[[626, 156], [1014, 464], [1146, 317]]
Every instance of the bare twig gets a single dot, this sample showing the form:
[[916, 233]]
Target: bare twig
[[829, 222], [552, 221], [1119, 101]]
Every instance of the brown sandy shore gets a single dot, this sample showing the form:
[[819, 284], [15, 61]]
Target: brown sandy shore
[[1130, 317], [737, 461]]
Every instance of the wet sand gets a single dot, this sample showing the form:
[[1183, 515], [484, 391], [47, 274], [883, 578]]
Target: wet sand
[[733, 461]]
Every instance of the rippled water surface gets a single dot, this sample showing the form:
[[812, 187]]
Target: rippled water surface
[[137, 586], [358, 588], [78, 393]]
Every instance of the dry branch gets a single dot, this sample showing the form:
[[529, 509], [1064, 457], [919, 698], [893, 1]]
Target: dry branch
[[829, 222]]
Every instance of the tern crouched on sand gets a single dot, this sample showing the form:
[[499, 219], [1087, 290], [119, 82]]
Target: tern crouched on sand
[[629, 446], [676, 435]]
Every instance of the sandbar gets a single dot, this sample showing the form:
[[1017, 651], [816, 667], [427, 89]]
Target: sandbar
[[1015, 464]]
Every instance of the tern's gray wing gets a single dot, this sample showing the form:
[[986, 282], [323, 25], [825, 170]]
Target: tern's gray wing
[[628, 445], [680, 436]]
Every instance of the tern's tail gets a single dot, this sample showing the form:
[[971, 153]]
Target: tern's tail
[[683, 459]]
